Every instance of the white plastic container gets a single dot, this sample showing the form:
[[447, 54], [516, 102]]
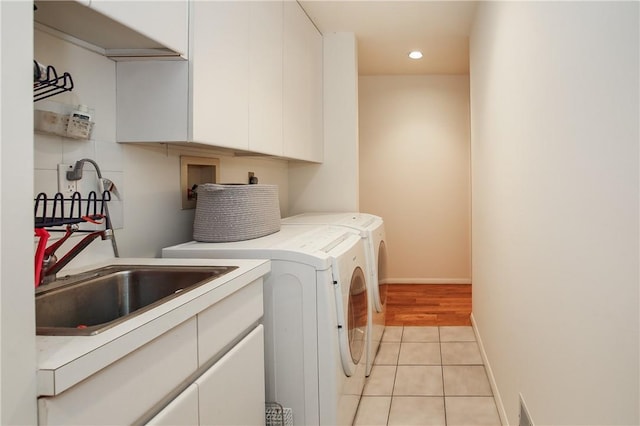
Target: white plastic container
[[80, 123]]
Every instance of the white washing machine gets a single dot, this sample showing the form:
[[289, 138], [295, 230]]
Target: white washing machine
[[315, 317], [371, 229]]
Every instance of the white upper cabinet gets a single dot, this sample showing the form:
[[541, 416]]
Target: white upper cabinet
[[163, 21], [120, 29], [302, 109], [152, 101], [253, 83], [220, 73], [204, 100], [237, 75], [265, 77]]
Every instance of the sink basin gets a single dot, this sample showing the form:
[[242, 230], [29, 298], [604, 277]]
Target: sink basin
[[97, 300]]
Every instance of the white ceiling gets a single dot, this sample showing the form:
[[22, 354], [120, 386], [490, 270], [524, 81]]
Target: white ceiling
[[388, 30]]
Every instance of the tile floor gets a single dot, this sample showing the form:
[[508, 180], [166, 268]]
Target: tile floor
[[427, 376]]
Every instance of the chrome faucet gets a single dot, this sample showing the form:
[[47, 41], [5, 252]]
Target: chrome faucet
[[104, 185], [50, 263], [47, 264]]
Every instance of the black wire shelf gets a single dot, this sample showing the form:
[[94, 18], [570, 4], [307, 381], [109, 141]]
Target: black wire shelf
[[47, 83], [59, 211]]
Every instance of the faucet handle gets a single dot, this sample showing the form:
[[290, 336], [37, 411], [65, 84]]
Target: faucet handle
[[105, 184], [55, 246]]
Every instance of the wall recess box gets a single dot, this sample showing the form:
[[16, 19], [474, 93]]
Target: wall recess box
[[195, 171]]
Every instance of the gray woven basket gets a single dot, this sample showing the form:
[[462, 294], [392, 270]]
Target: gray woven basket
[[235, 212]]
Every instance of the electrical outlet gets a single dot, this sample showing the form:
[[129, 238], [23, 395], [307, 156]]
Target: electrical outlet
[[66, 187]]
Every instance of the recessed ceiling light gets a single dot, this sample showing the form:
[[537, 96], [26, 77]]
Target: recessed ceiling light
[[416, 54]]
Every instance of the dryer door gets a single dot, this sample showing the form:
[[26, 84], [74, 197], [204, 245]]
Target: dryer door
[[351, 301], [380, 287]]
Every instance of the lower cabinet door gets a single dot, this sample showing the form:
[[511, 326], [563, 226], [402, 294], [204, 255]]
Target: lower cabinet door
[[182, 411], [130, 387], [231, 392]]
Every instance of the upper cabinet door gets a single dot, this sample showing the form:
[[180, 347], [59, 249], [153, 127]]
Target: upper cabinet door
[[121, 30], [220, 73], [265, 77], [151, 101], [302, 94], [166, 21], [253, 83]]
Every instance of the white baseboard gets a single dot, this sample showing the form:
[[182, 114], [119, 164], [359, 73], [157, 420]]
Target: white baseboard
[[492, 380], [427, 281]]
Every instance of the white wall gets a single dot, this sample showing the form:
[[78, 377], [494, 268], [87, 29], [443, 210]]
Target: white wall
[[154, 219], [17, 324], [270, 171], [149, 216], [414, 172], [94, 85], [554, 113], [333, 185]]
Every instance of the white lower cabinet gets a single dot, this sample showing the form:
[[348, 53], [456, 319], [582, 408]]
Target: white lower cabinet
[[224, 322], [130, 387], [213, 361], [182, 411], [230, 392]]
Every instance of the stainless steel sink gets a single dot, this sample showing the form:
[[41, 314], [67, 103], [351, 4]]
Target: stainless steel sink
[[87, 304]]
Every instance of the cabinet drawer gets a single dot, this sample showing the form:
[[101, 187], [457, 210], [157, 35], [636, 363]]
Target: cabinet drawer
[[125, 390], [182, 411], [232, 391], [223, 322]]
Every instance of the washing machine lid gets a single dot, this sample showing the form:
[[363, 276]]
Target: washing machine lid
[[356, 220], [309, 245]]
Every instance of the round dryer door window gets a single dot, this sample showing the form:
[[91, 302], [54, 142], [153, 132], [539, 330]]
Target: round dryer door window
[[357, 315], [381, 295]]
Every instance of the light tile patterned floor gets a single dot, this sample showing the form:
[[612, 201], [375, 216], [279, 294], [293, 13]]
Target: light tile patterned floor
[[428, 376]]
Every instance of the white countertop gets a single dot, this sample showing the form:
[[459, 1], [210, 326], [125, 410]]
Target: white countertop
[[64, 361]]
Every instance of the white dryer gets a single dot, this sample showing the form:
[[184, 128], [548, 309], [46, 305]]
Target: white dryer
[[315, 317], [371, 229]]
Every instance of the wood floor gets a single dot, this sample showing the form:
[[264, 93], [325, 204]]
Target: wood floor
[[428, 304]]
